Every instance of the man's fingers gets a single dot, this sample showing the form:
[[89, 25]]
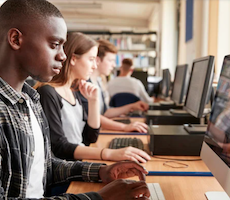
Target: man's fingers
[[140, 190], [138, 173], [130, 165]]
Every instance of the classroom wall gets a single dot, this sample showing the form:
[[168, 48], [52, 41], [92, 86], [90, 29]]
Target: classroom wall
[[197, 46], [211, 32], [223, 41], [168, 35]]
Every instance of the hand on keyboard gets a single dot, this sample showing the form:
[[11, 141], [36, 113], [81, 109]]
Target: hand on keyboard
[[124, 190], [136, 126], [127, 153], [120, 170]]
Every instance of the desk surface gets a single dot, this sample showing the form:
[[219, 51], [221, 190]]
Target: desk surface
[[173, 187]]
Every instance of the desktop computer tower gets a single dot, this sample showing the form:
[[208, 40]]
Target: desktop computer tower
[[163, 117], [173, 141]]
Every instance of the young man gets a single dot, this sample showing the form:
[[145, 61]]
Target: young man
[[105, 63], [127, 84], [32, 35]]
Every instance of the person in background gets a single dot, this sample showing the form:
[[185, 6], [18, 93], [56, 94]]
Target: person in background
[[70, 127], [32, 35], [105, 64], [124, 83]]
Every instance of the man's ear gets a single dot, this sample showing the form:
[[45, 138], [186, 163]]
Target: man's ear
[[131, 70], [15, 38]]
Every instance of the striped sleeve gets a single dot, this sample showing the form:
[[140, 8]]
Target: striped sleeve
[[90, 172]]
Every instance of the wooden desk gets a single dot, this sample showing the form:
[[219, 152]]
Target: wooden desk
[[173, 187]]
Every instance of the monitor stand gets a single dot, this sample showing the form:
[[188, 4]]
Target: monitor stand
[[216, 196], [195, 128]]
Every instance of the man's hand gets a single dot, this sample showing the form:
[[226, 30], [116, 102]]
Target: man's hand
[[136, 126], [139, 105], [121, 170], [125, 190]]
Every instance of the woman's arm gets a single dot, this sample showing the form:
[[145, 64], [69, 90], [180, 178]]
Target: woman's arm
[[90, 92], [52, 105], [127, 153]]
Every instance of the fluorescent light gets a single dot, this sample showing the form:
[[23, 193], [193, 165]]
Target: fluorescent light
[[81, 5]]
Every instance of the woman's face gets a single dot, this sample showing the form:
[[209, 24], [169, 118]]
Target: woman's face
[[85, 64]]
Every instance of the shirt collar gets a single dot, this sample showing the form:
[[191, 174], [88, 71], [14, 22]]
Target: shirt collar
[[13, 96]]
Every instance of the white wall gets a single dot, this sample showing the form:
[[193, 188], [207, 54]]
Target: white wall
[[182, 45], [198, 46], [223, 42], [168, 35]]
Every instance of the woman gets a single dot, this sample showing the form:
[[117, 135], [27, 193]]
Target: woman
[[70, 128]]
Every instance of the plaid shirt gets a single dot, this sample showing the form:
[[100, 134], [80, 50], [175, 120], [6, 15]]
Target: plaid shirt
[[17, 148]]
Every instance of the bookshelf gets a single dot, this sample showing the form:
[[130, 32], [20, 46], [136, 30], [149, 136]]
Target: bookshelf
[[139, 46]]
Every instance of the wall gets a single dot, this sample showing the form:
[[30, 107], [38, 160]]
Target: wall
[[168, 35], [211, 32], [223, 41], [197, 46]]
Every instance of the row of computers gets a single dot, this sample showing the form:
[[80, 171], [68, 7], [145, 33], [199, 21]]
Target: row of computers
[[211, 141]]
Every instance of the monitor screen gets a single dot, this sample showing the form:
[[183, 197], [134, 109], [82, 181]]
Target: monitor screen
[[179, 84], [166, 83], [142, 76], [200, 85], [216, 146]]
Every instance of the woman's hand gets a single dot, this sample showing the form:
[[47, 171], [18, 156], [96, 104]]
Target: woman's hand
[[127, 153], [88, 90]]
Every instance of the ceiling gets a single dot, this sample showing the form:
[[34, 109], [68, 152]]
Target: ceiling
[[110, 15]]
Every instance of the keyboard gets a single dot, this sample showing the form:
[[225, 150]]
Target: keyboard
[[155, 191], [118, 143], [125, 121], [136, 113], [167, 103], [178, 112]]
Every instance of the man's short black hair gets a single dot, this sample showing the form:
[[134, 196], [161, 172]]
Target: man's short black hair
[[14, 11]]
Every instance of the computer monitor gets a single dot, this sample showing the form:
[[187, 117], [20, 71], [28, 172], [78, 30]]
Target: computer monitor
[[178, 89], [142, 76], [166, 83], [200, 86], [215, 151]]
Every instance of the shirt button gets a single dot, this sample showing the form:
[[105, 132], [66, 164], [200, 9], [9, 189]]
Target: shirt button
[[26, 118], [21, 100], [33, 153]]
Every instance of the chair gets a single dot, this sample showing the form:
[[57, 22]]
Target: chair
[[121, 99]]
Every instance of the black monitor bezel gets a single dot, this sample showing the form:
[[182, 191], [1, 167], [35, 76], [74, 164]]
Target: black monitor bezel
[[169, 84], [183, 83], [206, 88], [211, 149]]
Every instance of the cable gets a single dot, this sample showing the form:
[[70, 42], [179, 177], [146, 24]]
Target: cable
[[177, 159]]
